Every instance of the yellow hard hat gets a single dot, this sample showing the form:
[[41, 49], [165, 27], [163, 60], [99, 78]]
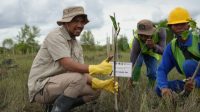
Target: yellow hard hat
[[178, 15]]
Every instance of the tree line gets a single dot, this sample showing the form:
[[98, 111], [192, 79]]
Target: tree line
[[26, 43]]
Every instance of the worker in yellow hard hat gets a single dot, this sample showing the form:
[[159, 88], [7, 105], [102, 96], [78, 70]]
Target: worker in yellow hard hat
[[182, 52]]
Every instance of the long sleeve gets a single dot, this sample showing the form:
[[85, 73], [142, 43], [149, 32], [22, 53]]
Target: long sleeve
[[159, 48], [197, 78], [135, 51], [167, 63]]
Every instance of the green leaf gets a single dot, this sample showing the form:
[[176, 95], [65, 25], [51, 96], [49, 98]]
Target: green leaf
[[185, 34], [192, 24], [114, 22]]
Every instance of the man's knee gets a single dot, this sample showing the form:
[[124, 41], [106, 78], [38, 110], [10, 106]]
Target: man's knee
[[73, 78], [79, 78], [76, 85]]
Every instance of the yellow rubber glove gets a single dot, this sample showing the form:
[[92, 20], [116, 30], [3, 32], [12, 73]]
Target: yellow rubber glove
[[107, 85], [111, 87], [104, 68]]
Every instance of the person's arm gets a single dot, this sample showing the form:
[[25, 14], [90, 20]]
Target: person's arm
[[57, 48], [165, 66], [104, 68], [197, 78], [159, 48], [69, 64], [135, 51]]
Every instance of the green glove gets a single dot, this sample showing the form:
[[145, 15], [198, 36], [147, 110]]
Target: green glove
[[104, 68], [107, 85]]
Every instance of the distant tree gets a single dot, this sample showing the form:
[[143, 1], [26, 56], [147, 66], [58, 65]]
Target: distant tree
[[87, 40], [162, 23], [8, 44], [26, 39], [123, 43]]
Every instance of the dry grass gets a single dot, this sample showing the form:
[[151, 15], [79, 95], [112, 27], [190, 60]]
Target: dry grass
[[14, 96]]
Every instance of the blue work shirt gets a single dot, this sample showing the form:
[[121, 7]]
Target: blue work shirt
[[168, 62]]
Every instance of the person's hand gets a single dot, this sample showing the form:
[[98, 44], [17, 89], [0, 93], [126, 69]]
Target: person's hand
[[107, 85], [112, 87], [150, 43], [166, 92], [167, 95], [104, 68], [189, 85]]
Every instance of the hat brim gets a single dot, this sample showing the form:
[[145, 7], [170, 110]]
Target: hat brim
[[68, 19], [147, 32], [178, 22]]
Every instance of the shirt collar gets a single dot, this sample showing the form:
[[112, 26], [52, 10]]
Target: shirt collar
[[65, 33]]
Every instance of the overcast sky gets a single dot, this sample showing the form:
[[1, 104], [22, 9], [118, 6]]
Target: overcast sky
[[44, 14]]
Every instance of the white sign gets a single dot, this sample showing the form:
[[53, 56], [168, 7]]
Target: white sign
[[123, 69]]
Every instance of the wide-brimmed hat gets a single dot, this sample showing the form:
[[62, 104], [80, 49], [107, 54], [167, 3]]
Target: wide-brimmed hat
[[145, 27], [70, 13]]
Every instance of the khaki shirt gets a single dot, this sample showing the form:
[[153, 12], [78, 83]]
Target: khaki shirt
[[57, 44]]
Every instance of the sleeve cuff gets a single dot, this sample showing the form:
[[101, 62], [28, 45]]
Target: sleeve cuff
[[163, 86]]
